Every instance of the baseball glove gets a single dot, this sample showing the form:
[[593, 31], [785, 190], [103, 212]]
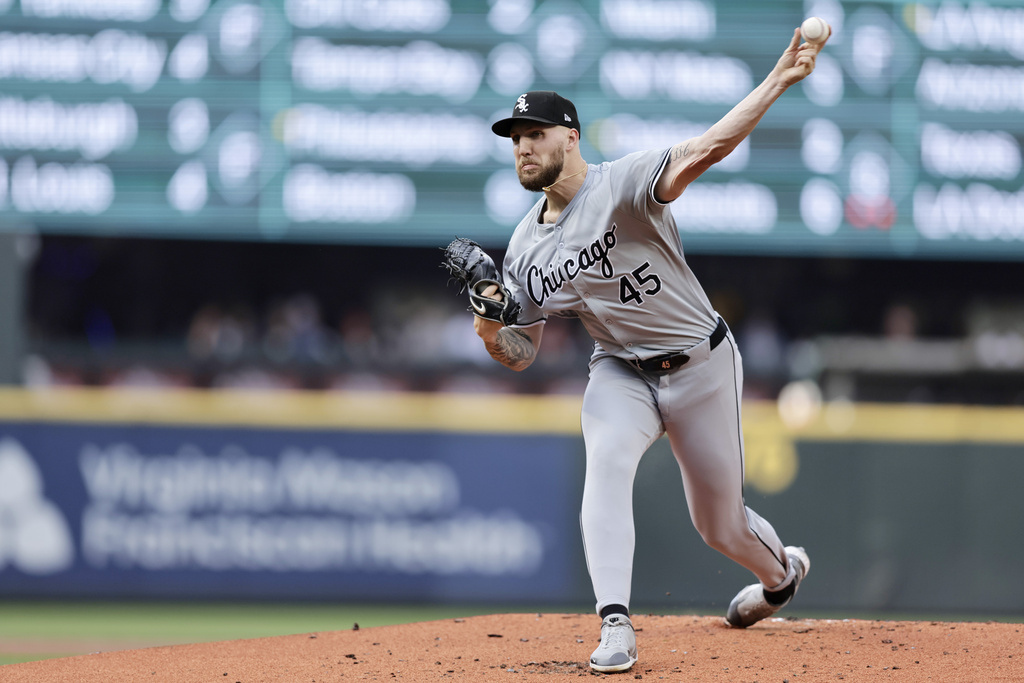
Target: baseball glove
[[475, 271]]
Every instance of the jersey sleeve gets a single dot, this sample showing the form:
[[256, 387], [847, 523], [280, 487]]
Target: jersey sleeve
[[530, 313], [633, 180]]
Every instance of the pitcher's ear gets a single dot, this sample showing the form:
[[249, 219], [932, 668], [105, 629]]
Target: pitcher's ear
[[574, 137]]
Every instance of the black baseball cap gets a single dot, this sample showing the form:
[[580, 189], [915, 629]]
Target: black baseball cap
[[544, 106]]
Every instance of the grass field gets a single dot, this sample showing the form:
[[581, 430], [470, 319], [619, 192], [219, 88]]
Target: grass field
[[41, 630]]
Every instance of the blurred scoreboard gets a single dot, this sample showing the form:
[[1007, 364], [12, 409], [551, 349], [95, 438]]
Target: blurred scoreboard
[[368, 121]]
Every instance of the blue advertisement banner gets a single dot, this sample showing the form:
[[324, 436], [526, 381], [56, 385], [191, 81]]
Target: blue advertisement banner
[[193, 512]]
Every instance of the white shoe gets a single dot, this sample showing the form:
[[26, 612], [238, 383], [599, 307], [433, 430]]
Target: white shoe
[[617, 651], [750, 606]]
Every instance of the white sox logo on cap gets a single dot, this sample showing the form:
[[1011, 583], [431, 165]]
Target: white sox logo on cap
[[543, 106]]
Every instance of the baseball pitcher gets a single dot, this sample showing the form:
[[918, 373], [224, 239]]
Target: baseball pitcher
[[601, 244]]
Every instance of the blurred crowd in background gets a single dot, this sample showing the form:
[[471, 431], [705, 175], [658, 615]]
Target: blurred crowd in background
[[103, 311]]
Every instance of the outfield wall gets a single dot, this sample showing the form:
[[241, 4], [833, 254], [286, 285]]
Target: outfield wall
[[425, 497]]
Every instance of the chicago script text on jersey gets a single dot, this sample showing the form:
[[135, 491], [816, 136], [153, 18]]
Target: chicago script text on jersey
[[540, 285]]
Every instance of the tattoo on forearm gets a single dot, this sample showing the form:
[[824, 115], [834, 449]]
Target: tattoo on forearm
[[678, 152], [513, 348]]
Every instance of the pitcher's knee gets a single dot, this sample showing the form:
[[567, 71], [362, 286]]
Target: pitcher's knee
[[610, 465], [725, 538]]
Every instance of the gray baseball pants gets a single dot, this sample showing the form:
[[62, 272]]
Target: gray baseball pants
[[626, 410]]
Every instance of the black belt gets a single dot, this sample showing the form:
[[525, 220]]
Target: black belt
[[659, 365]]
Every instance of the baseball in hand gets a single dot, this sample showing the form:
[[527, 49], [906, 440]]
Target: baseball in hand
[[814, 30]]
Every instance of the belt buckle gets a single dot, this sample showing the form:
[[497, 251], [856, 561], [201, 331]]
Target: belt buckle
[[682, 357], [673, 360]]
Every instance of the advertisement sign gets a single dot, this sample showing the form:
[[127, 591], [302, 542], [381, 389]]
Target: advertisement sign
[[153, 511]]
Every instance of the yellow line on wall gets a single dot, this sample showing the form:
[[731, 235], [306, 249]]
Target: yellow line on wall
[[296, 409], [898, 422], [484, 413]]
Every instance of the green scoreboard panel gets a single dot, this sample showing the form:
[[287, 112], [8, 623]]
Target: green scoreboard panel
[[367, 121]]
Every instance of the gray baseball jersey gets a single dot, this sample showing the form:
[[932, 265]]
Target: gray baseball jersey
[[614, 259]]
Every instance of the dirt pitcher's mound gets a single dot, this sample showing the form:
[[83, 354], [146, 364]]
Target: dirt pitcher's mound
[[555, 647]]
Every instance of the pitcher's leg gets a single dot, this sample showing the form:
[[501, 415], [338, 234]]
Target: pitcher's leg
[[704, 428], [620, 421]]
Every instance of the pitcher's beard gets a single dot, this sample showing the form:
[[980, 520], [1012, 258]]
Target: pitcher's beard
[[547, 175]]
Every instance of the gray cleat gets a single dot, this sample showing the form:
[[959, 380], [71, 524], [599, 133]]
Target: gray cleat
[[750, 606], [617, 651]]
